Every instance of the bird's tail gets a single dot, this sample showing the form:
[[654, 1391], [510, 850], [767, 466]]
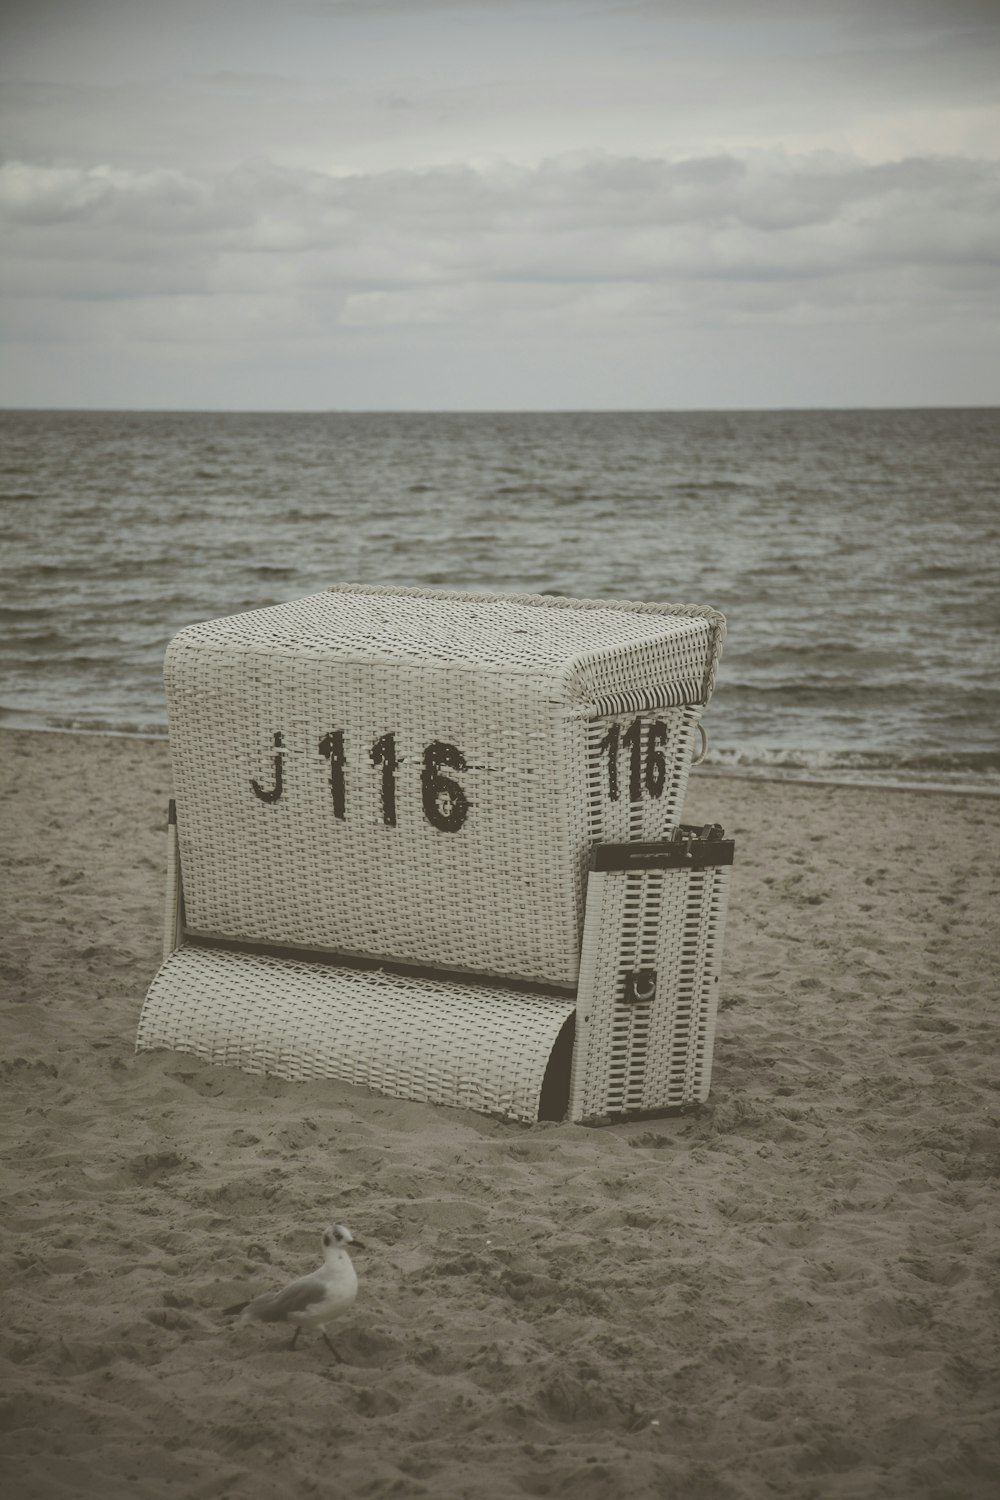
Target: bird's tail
[[237, 1307]]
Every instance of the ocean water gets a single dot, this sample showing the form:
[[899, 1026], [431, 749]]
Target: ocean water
[[856, 556]]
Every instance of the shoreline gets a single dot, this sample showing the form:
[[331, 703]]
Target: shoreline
[[788, 1290], [723, 773]]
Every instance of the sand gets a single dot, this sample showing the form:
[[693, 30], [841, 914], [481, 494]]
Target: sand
[[790, 1291]]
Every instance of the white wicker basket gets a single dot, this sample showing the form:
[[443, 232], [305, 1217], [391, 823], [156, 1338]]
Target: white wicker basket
[[422, 779], [419, 775]]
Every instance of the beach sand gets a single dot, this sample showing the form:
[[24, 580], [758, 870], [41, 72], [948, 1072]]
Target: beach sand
[[790, 1291]]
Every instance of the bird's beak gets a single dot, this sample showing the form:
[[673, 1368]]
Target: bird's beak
[[358, 1245]]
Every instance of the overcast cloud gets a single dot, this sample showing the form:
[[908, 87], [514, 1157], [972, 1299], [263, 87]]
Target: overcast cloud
[[452, 204]]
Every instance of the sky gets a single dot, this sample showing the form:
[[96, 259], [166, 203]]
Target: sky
[[499, 204]]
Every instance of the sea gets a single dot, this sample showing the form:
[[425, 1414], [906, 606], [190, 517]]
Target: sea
[[855, 554]]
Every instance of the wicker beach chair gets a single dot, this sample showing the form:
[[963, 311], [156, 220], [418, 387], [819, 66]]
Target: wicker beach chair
[[430, 843]]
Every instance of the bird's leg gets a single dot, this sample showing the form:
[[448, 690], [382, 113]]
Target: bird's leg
[[339, 1357], [294, 1337]]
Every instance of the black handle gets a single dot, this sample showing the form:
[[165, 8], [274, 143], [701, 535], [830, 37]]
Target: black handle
[[690, 849]]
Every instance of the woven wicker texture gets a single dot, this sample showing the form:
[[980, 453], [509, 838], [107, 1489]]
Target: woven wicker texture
[[440, 1042], [637, 1055], [173, 915], [418, 775]]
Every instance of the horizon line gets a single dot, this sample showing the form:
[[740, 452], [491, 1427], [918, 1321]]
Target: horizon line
[[486, 411]]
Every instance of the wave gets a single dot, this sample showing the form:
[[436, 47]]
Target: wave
[[130, 728], [947, 770], [829, 692]]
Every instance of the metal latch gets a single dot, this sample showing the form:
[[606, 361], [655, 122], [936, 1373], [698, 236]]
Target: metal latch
[[640, 986]]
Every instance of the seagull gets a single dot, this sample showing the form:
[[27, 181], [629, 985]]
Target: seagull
[[313, 1300]]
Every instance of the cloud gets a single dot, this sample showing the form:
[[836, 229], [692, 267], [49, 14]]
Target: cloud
[[371, 86], [400, 187], [153, 201], [573, 243]]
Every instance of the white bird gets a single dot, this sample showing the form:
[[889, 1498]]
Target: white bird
[[314, 1300]]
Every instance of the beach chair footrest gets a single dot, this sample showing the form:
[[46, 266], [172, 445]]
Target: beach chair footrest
[[498, 1050]]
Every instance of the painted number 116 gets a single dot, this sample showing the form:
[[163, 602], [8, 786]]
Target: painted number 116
[[445, 804], [647, 764]]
